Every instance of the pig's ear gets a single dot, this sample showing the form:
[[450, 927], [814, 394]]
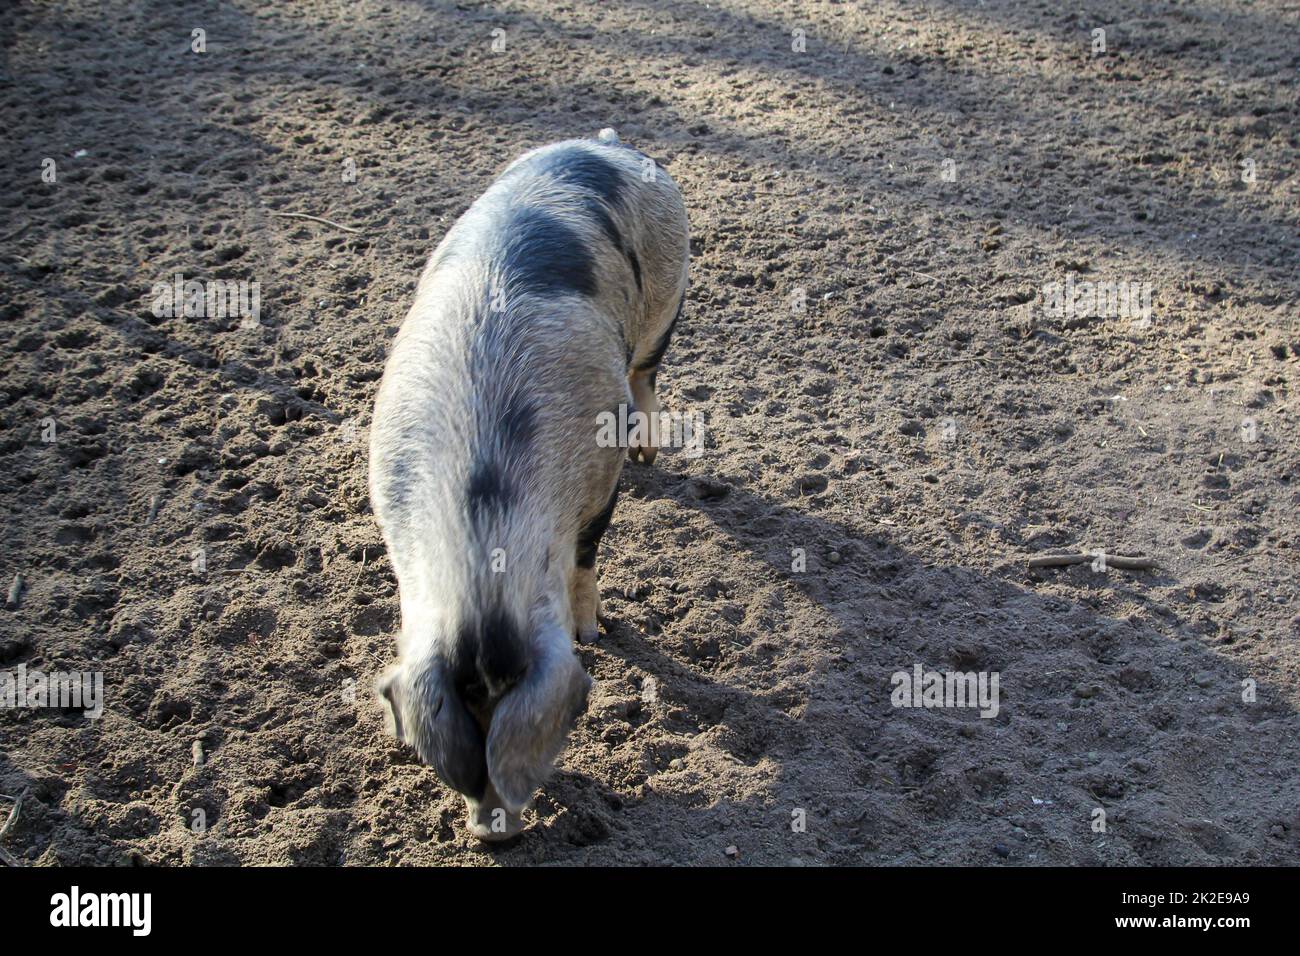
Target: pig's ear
[[429, 715], [532, 720]]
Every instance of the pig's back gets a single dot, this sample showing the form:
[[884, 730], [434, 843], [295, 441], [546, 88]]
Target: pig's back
[[523, 324]]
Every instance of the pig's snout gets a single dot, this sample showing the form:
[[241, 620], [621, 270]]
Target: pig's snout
[[489, 820]]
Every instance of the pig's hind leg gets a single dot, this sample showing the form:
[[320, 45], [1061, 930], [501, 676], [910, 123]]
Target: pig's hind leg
[[643, 443]]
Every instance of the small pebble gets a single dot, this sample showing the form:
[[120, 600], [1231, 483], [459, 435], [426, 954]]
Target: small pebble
[[833, 557], [1001, 850], [732, 851]]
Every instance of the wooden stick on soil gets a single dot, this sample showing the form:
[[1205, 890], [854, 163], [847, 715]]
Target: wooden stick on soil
[[1112, 561], [328, 222], [8, 858]]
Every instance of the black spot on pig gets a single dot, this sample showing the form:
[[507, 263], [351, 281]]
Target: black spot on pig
[[401, 475], [492, 656], [651, 362], [635, 263], [590, 534], [544, 256], [605, 190], [518, 424], [489, 491], [584, 170]]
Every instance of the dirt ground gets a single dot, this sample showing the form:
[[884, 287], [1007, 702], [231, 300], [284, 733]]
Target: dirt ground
[[876, 203]]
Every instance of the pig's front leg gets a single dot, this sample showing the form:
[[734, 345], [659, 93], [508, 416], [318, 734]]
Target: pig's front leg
[[584, 595]]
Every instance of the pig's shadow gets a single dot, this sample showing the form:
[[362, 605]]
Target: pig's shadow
[[874, 581]]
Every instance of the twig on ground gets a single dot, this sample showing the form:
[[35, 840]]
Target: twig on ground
[[1112, 561], [328, 222], [13, 813], [15, 591], [8, 858]]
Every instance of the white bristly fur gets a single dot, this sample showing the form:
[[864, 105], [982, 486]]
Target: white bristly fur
[[459, 374]]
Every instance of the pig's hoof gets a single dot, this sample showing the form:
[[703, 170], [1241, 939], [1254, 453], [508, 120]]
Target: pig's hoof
[[491, 823], [488, 835], [588, 635], [644, 454]]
